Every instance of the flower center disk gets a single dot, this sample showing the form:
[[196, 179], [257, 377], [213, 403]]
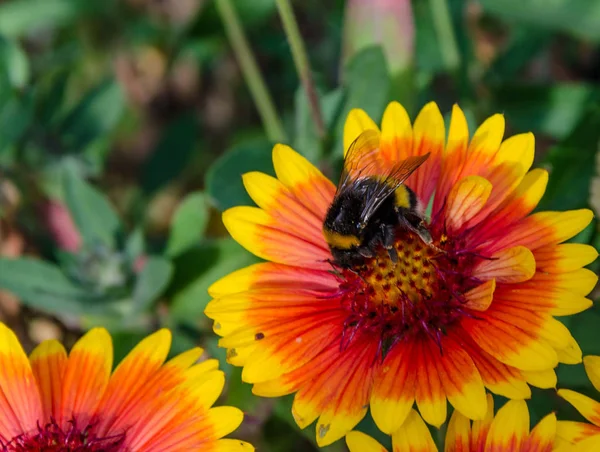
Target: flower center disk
[[418, 293], [51, 437]]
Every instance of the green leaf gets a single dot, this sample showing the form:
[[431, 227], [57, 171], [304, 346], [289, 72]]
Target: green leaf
[[224, 178], [368, 83], [96, 115], [428, 53], [196, 270], [151, 282], [577, 17], [21, 17], [16, 115], [41, 285], [14, 66], [92, 213], [550, 109], [135, 245], [189, 222], [572, 165], [171, 154]]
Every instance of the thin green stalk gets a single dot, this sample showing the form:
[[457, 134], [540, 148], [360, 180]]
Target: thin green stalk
[[445, 33], [251, 72], [290, 27]]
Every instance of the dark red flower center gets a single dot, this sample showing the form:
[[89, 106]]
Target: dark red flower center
[[51, 437], [421, 293]]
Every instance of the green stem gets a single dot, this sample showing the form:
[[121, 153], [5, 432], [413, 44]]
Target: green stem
[[251, 72], [290, 27], [445, 33]]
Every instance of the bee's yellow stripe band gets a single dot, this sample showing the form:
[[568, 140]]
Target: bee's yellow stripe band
[[337, 240]]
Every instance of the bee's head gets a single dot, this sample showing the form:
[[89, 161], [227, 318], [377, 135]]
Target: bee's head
[[344, 216]]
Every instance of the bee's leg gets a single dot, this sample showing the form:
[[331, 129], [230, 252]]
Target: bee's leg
[[388, 236], [365, 252]]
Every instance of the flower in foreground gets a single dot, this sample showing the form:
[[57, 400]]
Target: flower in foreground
[[580, 436], [508, 431], [58, 402], [476, 310]]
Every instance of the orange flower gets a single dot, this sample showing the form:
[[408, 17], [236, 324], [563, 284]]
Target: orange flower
[[436, 326], [507, 432], [55, 402], [580, 436]]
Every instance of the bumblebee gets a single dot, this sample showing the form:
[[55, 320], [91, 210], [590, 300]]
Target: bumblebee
[[370, 204]]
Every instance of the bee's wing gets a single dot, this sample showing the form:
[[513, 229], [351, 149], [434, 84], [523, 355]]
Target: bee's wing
[[362, 159], [392, 178]]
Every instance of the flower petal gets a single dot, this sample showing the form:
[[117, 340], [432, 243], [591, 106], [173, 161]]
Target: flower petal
[[511, 265], [592, 368], [544, 379], [458, 435], [589, 408], [542, 436], [231, 445], [480, 298], [428, 136], [456, 154], [481, 429], [429, 394], [564, 258], [20, 404], [394, 388], [460, 378], [542, 229], [303, 179], [86, 376], [130, 379], [269, 274], [571, 432], [587, 445], [512, 340], [413, 436], [359, 442], [356, 123], [465, 200], [509, 428], [259, 233], [396, 133], [48, 362]]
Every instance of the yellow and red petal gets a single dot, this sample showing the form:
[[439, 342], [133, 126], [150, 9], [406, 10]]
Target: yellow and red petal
[[589, 444], [481, 429], [303, 179], [266, 237], [458, 434], [456, 154], [394, 388], [592, 368], [356, 123], [396, 133], [429, 393], [465, 200], [541, 438], [86, 376], [510, 265], [48, 362], [544, 379], [480, 298], [130, 379], [509, 428], [339, 391], [589, 408], [542, 229], [20, 404], [359, 442], [413, 436], [571, 432], [271, 275], [564, 258], [428, 137], [514, 208], [497, 377], [512, 335]]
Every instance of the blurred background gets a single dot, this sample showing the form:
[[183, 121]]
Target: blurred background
[[125, 126]]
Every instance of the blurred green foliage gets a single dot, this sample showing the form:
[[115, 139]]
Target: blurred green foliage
[[125, 127]]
